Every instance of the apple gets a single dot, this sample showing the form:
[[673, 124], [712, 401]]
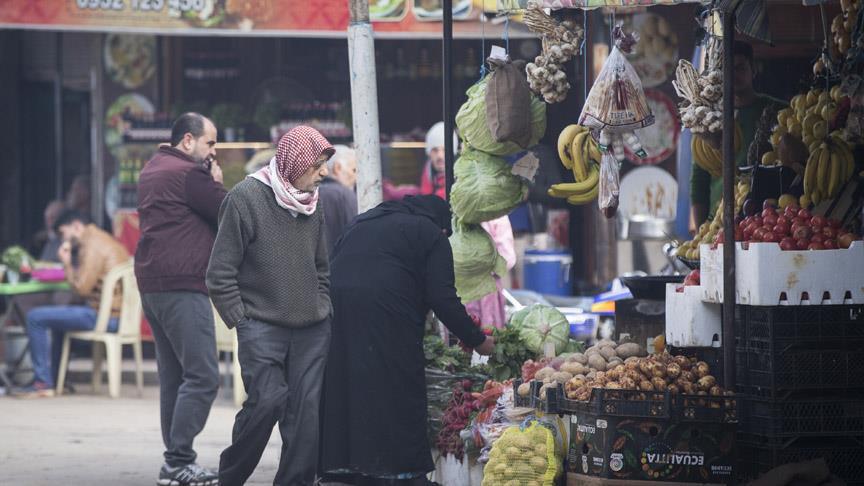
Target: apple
[[788, 244], [770, 220], [804, 214], [815, 246], [771, 237], [781, 229], [768, 211], [757, 219], [830, 244], [782, 219], [802, 244], [759, 234]]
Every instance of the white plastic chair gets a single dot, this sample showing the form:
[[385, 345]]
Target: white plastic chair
[[128, 332], [226, 340]]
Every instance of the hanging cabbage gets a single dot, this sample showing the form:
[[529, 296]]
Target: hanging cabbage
[[539, 324], [471, 121], [475, 259], [485, 188]]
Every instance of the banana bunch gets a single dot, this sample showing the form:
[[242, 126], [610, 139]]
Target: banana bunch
[[580, 153], [689, 250], [709, 158], [829, 167], [808, 117]]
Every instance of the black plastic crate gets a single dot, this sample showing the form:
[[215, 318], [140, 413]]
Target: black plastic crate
[[799, 417], [758, 455], [821, 326], [696, 408], [770, 372], [621, 403], [533, 400]]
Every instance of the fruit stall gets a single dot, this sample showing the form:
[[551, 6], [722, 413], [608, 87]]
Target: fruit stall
[[755, 371]]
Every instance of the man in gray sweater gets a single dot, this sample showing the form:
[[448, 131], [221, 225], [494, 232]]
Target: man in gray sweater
[[268, 277]]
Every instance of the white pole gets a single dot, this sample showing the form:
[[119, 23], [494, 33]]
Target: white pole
[[364, 105]]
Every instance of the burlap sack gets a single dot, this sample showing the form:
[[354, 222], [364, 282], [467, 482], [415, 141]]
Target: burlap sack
[[508, 103]]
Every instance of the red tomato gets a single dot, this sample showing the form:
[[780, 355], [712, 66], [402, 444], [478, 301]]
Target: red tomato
[[788, 244], [768, 212], [781, 229], [829, 232], [802, 244], [771, 219], [759, 234], [817, 238], [802, 233]]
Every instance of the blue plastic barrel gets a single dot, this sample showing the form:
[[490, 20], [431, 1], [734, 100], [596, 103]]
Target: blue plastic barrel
[[548, 272]]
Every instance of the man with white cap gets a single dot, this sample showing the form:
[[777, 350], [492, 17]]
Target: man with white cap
[[433, 181], [269, 277]]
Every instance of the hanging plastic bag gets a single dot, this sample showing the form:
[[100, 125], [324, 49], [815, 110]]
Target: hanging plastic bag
[[609, 186], [617, 101], [508, 102]]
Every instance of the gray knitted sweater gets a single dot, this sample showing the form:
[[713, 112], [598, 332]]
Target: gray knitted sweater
[[266, 264]]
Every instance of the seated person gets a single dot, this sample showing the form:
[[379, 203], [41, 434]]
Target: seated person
[[87, 254]]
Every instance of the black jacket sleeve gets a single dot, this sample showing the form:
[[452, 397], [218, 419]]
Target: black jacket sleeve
[[441, 294]]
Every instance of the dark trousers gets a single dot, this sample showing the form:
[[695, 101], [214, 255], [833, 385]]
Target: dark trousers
[[185, 336], [283, 370]]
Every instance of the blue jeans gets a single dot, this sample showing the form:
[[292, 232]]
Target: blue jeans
[[45, 328]]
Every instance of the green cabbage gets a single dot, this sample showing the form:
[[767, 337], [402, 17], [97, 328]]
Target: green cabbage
[[539, 324], [475, 259], [471, 121], [485, 188]]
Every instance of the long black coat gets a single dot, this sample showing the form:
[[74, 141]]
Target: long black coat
[[389, 268]]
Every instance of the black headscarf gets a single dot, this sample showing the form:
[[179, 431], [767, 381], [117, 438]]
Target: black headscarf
[[429, 206]]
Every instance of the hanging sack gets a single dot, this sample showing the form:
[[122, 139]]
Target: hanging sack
[[508, 102]]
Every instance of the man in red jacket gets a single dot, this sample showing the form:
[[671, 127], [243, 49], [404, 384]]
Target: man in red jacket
[[179, 194]]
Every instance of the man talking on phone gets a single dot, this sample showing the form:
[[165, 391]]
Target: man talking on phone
[[179, 193]]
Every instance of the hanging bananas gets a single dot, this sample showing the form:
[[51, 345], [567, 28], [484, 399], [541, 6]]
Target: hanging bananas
[[709, 158], [829, 166], [580, 153]]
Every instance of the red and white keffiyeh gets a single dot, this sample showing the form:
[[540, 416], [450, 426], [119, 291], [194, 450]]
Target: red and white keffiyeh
[[297, 151]]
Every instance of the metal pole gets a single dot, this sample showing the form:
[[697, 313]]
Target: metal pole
[[448, 88], [58, 116], [728, 200], [364, 105]]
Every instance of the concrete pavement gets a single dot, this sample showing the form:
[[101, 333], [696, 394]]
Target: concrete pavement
[[88, 438]]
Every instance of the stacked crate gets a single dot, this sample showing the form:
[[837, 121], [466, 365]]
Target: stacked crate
[[800, 384]]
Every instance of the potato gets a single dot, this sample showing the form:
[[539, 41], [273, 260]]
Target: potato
[[659, 384], [608, 352], [689, 376], [614, 362], [580, 358], [715, 391], [646, 385], [591, 374], [613, 385], [562, 377], [646, 367], [607, 342], [573, 368], [673, 389], [544, 373], [628, 350], [597, 362], [592, 350], [659, 370], [627, 383], [685, 386], [702, 369], [673, 371], [634, 375], [706, 382], [524, 389], [683, 362]]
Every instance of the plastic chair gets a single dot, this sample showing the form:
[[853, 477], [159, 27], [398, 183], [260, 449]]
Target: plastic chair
[[128, 332], [226, 340]]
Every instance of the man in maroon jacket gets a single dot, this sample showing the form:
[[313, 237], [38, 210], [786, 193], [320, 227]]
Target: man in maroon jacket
[[179, 193]]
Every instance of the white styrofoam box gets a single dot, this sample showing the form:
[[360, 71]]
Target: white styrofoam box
[[691, 323], [763, 272]]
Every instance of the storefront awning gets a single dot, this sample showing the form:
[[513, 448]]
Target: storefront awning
[[307, 18]]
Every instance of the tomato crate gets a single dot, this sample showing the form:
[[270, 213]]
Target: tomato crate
[[795, 416], [758, 455], [767, 275]]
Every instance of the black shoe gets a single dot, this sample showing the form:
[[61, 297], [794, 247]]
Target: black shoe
[[188, 475]]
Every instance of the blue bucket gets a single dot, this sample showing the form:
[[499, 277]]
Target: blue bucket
[[548, 272]]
